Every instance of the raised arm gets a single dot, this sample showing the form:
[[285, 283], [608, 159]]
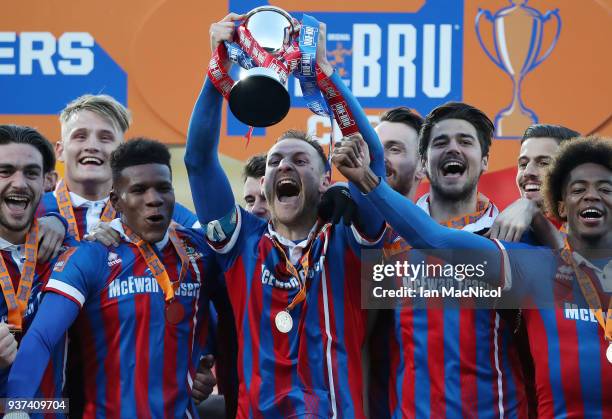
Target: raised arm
[[55, 314], [210, 187], [408, 220], [415, 226], [366, 211]]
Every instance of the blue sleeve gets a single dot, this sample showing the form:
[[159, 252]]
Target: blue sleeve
[[59, 217], [211, 191], [375, 223], [46, 205], [80, 272], [419, 229], [184, 217], [55, 315]]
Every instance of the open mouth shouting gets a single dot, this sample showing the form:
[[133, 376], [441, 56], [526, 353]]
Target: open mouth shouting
[[591, 216], [287, 190], [453, 168], [17, 204]]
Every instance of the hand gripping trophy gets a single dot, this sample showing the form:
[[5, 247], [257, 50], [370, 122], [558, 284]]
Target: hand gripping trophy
[[270, 45]]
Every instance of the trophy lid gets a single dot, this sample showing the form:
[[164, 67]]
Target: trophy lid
[[271, 27]]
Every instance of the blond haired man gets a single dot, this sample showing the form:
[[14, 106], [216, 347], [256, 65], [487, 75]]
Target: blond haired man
[[92, 127]]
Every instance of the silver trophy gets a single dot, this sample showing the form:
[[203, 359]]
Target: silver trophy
[[260, 98]]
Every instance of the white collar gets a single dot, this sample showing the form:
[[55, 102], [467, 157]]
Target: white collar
[[117, 225], [295, 249], [79, 201], [6, 245], [486, 221], [582, 260]]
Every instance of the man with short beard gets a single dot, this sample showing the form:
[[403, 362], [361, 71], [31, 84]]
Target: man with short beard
[[539, 145], [434, 350], [454, 147], [293, 282], [26, 157], [568, 293], [398, 132]]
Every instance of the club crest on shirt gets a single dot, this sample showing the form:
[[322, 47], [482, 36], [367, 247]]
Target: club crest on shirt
[[113, 259], [192, 252], [63, 259]]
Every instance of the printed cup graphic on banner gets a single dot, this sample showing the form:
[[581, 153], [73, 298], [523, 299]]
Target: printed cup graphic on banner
[[517, 53], [260, 98]]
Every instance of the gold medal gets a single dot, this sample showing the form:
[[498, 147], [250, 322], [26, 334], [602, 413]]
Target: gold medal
[[284, 322]]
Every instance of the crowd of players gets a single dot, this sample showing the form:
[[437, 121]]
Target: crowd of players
[[141, 297]]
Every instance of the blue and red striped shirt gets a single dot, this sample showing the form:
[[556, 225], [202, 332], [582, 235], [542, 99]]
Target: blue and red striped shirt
[[448, 362], [52, 383], [572, 375], [138, 364], [315, 369], [573, 378]]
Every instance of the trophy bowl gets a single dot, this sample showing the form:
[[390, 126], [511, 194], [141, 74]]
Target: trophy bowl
[[260, 98]]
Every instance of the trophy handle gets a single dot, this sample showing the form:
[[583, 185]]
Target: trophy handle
[[489, 17], [547, 16]]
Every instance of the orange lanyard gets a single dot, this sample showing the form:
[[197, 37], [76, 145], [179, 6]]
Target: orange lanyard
[[482, 206], [399, 245], [64, 203], [16, 304], [304, 263], [154, 264], [590, 293]]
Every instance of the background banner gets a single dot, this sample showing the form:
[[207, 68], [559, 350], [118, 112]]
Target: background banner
[[519, 61]]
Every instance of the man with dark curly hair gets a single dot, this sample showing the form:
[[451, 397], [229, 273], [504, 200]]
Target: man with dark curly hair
[[569, 317]]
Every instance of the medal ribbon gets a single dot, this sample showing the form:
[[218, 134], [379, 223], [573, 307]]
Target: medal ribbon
[[154, 264], [304, 263], [16, 304], [64, 203], [343, 115], [482, 206], [247, 52], [589, 292]]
